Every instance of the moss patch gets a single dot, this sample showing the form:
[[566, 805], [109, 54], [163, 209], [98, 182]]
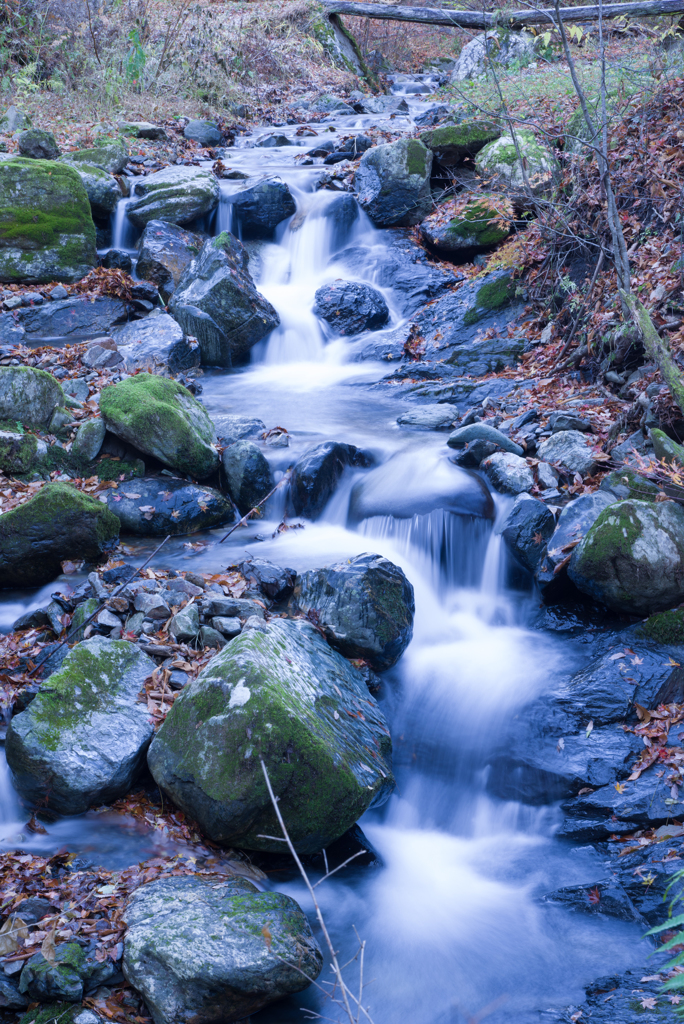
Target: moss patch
[[665, 627], [496, 294], [416, 158]]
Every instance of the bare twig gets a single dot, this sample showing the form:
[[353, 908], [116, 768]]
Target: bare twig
[[258, 505], [585, 301]]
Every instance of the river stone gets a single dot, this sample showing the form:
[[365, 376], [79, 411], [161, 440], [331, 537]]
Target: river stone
[[569, 448], [602, 897], [474, 223], [10, 996], [196, 952], [46, 228], [563, 420], [38, 144], [434, 417], [499, 161], [89, 439], [75, 316], [474, 453], [14, 120], [247, 474], [393, 183], [451, 143], [72, 975], [156, 343], [170, 506], [528, 527], [508, 473], [317, 473], [205, 133], [142, 130], [280, 694], [185, 624], [29, 396], [573, 523], [176, 194], [110, 154], [275, 581], [164, 252], [363, 606], [632, 558], [234, 428], [665, 448], [627, 483], [462, 436], [218, 284], [103, 190], [261, 207], [20, 453], [83, 740], [161, 418], [350, 307]]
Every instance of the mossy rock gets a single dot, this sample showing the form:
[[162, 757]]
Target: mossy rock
[[667, 449], [38, 144], [474, 223], [452, 143], [665, 627], [82, 613], [29, 396], [59, 523], [20, 454], [626, 483], [111, 154], [393, 183], [161, 418], [178, 195], [102, 188], [491, 297], [499, 162]]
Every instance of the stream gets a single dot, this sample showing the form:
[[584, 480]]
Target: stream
[[451, 917]]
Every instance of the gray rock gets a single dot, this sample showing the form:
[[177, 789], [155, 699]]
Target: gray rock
[[236, 428], [152, 605], [164, 253], [474, 453], [434, 417], [89, 439], [38, 144], [463, 436], [103, 190], [78, 315], [528, 527], [247, 474], [14, 120], [606, 897], [393, 183], [205, 133], [72, 975], [111, 154], [117, 259], [170, 506], [231, 606], [272, 141], [351, 308], [567, 421], [195, 949], [275, 581], [11, 333], [499, 162], [185, 624], [508, 473], [142, 130], [20, 453], [83, 741], [281, 689], [491, 47], [547, 476], [229, 627], [625, 451], [156, 343], [574, 521], [10, 996], [317, 473], [261, 207], [451, 143], [625, 483], [646, 801], [209, 637], [327, 104], [102, 354], [363, 606], [569, 448], [176, 194]]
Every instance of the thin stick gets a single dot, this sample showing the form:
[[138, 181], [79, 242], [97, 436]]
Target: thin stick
[[568, 342], [339, 867], [257, 506]]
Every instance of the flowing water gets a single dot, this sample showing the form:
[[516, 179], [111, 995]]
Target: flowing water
[[451, 922]]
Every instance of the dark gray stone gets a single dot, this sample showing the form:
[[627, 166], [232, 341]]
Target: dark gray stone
[[156, 343], [317, 473], [605, 897], [205, 133], [276, 581], [393, 183], [260, 208], [462, 436], [236, 428], [75, 316], [247, 474], [165, 252], [351, 308], [117, 259], [38, 144], [528, 527], [574, 521], [170, 506]]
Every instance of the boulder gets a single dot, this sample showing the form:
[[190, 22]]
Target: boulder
[[29, 396], [569, 448], [164, 252], [364, 608], [156, 343], [20, 454], [72, 975], [602, 897], [351, 308], [278, 694], [632, 558], [155, 506], [247, 474], [10, 996], [471, 223], [218, 284], [185, 624], [393, 183], [501, 48], [451, 143], [317, 473], [205, 133], [261, 207], [508, 473], [474, 453], [78, 315], [272, 141], [38, 144], [327, 104], [434, 417], [176, 194], [626, 483], [83, 739], [499, 161], [234, 428], [142, 130], [463, 436], [161, 418], [666, 449], [111, 154], [573, 523], [196, 952], [89, 439], [102, 188], [46, 228], [528, 527], [14, 120], [275, 581]]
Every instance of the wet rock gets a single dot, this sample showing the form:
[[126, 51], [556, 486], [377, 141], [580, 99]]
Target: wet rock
[[646, 801], [164, 253], [593, 830], [83, 740], [110, 154], [20, 453], [176, 194], [453, 142], [350, 307], [327, 104], [73, 316], [72, 975], [508, 473], [393, 183], [474, 453], [276, 581], [89, 439], [103, 190], [436, 417], [10, 996], [632, 558], [272, 141], [342, 213], [156, 343], [161, 418], [46, 228], [476, 223], [185, 624], [364, 607], [247, 474], [218, 283], [605, 897], [59, 523], [528, 527], [573, 523], [233, 607], [235, 428], [80, 616], [117, 259], [636, 442], [280, 694], [155, 506], [261, 207], [462, 436], [195, 949], [499, 161], [317, 473], [569, 448], [38, 144], [205, 133]]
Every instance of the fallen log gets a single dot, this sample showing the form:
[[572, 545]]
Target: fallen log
[[512, 19]]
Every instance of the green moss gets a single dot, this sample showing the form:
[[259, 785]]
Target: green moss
[[416, 157], [614, 533], [496, 294], [467, 138], [83, 612], [665, 627], [62, 211], [665, 448], [482, 221], [628, 484], [472, 317], [56, 1012]]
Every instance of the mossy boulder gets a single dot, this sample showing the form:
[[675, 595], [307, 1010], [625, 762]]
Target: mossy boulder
[[632, 558], [111, 154], [72, 975], [38, 144], [178, 195], [626, 483], [499, 162], [59, 523], [474, 223], [278, 694], [20, 453], [82, 740], [247, 474], [451, 143], [393, 183], [665, 448], [102, 188], [164, 253], [665, 627], [46, 227], [29, 396], [161, 418], [201, 950]]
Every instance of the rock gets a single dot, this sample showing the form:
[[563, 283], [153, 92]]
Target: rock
[[453, 142], [14, 120], [205, 133], [152, 605], [83, 740], [103, 190], [227, 626], [272, 141], [474, 453], [393, 183], [547, 476], [273, 580], [280, 694], [317, 473], [10, 996], [603, 897], [474, 222], [235, 428], [142, 130], [70, 977], [463, 436], [499, 161], [508, 473], [195, 949], [350, 307], [502, 48], [327, 104], [645, 802], [80, 616], [38, 144], [218, 284], [155, 506], [164, 253], [247, 473], [20, 453], [89, 439], [626, 483], [435, 417], [102, 353], [156, 343], [117, 259], [261, 207], [233, 607], [209, 637], [161, 418], [632, 558], [528, 527], [569, 448], [567, 421], [363, 606], [11, 333], [185, 624], [111, 154], [574, 521], [633, 449], [46, 228], [665, 448], [176, 194], [73, 316]]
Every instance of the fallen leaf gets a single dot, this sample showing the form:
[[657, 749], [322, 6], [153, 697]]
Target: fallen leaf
[[12, 931], [131, 494], [267, 935], [48, 945], [649, 1002], [590, 727]]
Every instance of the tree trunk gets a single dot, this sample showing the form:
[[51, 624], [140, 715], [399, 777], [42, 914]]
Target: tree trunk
[[657, 348]]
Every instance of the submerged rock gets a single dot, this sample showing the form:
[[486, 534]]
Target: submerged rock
[[155, 506], [350, 307], [176, 194], [317, 473], [247, 474], [393, 183]]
